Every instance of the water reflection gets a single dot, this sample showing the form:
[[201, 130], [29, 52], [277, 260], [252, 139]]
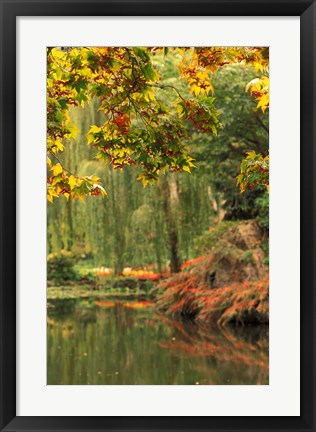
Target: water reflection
[[119, 343]]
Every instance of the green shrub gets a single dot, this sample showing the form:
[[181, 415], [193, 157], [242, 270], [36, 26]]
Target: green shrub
[[214, 239], [247, 257], [60, 267], [265, 248], [262, 204]]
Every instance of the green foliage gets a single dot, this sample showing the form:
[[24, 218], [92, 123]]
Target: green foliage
[[60, 267], [247, 257], [213, 240], [262, 204], [86, 276], [265, 248], [124, 285], [254, 171], [244, 129], [63, 303]]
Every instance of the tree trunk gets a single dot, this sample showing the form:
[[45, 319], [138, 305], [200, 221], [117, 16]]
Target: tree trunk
[[70, 234], [217, 205], [119, 240], [169, 198]]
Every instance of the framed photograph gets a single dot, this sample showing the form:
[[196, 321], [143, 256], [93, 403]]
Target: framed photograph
[[157, 215]]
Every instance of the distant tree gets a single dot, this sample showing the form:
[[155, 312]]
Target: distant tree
[[219, 158]]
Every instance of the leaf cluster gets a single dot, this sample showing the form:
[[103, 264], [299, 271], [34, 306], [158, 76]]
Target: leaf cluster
[[254, 171], [139, 128]]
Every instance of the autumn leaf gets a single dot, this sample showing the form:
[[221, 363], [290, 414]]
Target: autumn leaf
[[57, 169], [72, 182]]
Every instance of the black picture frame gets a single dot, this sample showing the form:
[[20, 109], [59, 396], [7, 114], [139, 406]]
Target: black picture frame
[[12, 9]]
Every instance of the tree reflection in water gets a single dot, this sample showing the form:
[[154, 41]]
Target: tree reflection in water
[[128, 343]]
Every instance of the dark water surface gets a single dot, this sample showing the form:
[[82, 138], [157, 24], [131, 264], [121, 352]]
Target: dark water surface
[[109, 342]]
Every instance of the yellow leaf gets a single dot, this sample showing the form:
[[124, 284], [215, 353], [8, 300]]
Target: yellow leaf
[[59, 145], [195, 89], [263, 102], [253, 85], [50, 194], [58, 53], [57, 169], [186, 168], [258, 67], [72, 182], [90, 138], [210, 88], [94, 129], [265, 81], [180, 110], [73, 130]]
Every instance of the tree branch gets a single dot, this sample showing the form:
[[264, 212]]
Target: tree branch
[[165, 86], [262, 124], [61, 164]]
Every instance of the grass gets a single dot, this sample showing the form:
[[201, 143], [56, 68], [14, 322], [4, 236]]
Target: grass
[[86, 292]]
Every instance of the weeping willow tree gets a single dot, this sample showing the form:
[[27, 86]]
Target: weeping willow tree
[[133, 225]]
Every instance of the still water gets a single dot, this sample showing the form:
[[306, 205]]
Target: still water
[[107, 342]]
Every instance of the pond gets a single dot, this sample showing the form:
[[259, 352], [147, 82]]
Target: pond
[[117, 342]]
